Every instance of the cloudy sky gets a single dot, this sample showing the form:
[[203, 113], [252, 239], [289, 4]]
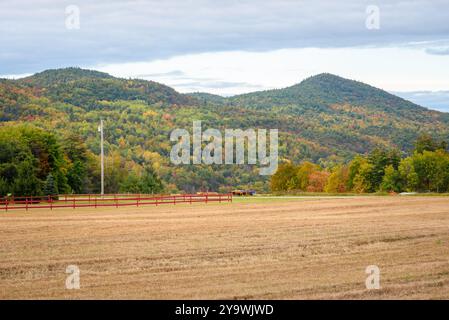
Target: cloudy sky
[[234, 46]]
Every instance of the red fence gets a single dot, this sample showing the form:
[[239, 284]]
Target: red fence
[[107, 200]]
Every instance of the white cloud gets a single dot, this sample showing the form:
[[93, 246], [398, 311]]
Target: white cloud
[[437, 100], [14, 76], [392, 69]]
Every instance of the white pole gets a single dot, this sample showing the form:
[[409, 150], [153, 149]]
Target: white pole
[[102, 157]]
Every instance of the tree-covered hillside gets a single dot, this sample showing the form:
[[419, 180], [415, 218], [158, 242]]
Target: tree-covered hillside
[[325, 119]]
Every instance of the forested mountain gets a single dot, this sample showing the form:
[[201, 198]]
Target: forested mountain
[[84, 88], [324, 90], [324, 119]]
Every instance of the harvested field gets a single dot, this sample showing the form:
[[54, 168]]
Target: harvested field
[[289, 249]]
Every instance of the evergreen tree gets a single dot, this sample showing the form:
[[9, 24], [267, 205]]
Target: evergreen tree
[[50, 187]]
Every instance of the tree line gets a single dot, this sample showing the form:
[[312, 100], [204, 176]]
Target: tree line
[[34, 162], [382, 170]]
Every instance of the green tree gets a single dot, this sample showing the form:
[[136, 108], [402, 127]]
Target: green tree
[[284, 178], [363, 179], [50, 186], [27, 183], [432, 169], [76, 152], [353, 170], [408, 175], [150, 182], [4, 187], [391, 180], [77, 176], [381, 159], [147, 183]]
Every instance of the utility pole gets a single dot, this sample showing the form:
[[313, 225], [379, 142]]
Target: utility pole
[[100, 128]]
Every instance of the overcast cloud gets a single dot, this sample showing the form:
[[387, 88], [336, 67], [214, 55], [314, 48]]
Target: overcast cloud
[[34, 37]]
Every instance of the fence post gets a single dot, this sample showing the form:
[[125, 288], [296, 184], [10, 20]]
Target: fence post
[[95, 202], [190, 196], [206, 197], [51, 203], [26, 203], [174, 199], [73, 202], [6, 203]]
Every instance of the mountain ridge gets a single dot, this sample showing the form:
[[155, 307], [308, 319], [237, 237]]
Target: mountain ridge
[[325, 119], [318, 80], [299, 91]]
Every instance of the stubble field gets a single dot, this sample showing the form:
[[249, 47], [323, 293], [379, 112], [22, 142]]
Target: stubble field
[[279, 249]]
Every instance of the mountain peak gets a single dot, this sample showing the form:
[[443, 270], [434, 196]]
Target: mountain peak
[[64, 75], [324, 76], [326, 79]]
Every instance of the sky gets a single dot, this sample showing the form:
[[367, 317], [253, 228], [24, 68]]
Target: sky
[[236, 46]]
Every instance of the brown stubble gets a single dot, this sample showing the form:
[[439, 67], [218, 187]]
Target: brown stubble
[[316, 248]]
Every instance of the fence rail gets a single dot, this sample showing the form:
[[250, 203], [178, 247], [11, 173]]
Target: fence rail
[[107, 200]]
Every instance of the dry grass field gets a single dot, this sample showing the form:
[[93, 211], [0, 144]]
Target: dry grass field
[[280, 249]]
